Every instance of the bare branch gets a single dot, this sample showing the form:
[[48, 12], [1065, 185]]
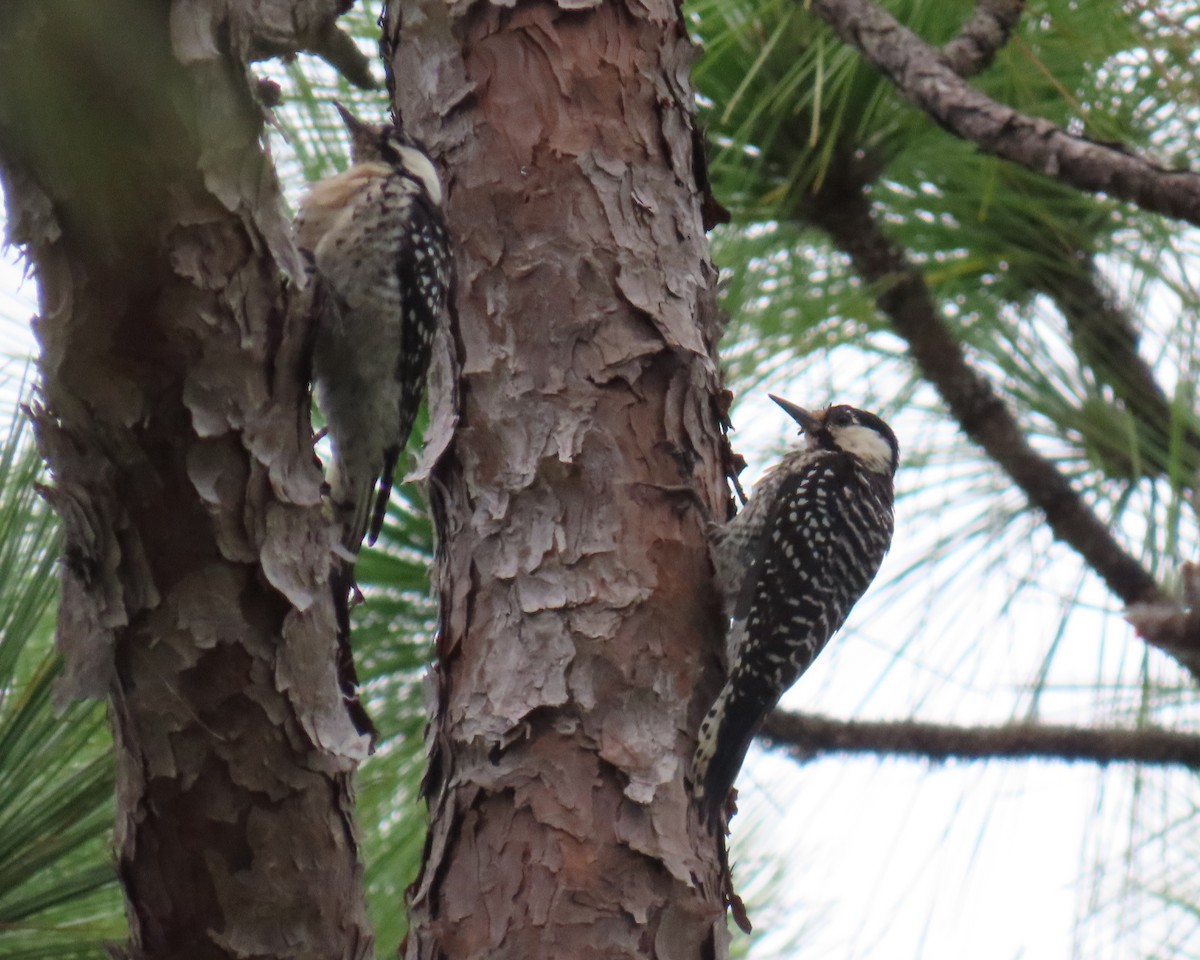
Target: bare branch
[[338, 49], [1172, 622], [981, 37], [843, 210], [1106, 340], [923, 77], [806, 737]]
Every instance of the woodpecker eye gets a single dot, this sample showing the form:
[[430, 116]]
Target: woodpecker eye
[[841, 417]]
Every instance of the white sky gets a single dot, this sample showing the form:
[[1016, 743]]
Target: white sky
[[884, 860], [17, 305]]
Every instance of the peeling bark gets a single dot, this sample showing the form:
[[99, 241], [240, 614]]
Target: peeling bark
[[173, 415], [579, 629]]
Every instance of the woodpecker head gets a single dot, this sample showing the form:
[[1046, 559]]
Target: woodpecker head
[[388, 143], [850, 430]]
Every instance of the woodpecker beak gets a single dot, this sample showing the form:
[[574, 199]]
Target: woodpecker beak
[[808, 421], [353, 124], [362, 135]]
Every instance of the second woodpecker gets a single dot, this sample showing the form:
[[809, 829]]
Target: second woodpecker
[[376, 238], [790, 566]]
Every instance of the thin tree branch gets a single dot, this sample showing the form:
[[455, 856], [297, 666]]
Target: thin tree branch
[[981, 37], [922, 75], [1171, 623], [843, 210], [1105, 337], [806, 737], [1106, 340]]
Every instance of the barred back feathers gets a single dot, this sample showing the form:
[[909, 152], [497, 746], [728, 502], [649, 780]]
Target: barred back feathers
[[375, 237], [790, 567]]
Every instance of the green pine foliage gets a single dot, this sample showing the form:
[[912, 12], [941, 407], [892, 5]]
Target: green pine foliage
[[58, 889]]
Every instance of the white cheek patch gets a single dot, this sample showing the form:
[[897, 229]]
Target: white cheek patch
[[866, 444], [418, 164]]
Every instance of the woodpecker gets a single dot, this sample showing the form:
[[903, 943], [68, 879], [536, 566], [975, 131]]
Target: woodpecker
[[375, 239], [790, 566]]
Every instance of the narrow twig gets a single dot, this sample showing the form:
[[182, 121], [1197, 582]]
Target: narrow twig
[[806, 737], [982, 37], [922, 75], [843, 210]]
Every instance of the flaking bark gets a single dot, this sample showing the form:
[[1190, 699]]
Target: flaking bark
[[579, 629], [173, 415]]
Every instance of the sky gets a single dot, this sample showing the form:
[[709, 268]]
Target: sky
[[888, 859], [18, 303]]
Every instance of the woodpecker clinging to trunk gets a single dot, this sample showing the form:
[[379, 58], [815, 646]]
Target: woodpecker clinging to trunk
[[376, 238], [791, 564]]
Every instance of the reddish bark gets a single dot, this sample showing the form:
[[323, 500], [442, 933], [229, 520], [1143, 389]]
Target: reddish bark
[[577, 609]]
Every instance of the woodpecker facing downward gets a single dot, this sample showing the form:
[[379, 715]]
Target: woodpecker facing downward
[[790, 566], [376, 238]]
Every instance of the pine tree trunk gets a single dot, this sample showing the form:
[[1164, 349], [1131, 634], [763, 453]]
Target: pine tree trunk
[[577, 606], [174, 418]]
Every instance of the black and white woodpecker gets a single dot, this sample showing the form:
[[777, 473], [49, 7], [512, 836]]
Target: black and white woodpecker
[[790, 566], [376, 239]]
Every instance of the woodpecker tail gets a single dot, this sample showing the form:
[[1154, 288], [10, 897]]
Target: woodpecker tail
[[352, 497], [384, 494], [725, 738], [341, 580], [749, 694]]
